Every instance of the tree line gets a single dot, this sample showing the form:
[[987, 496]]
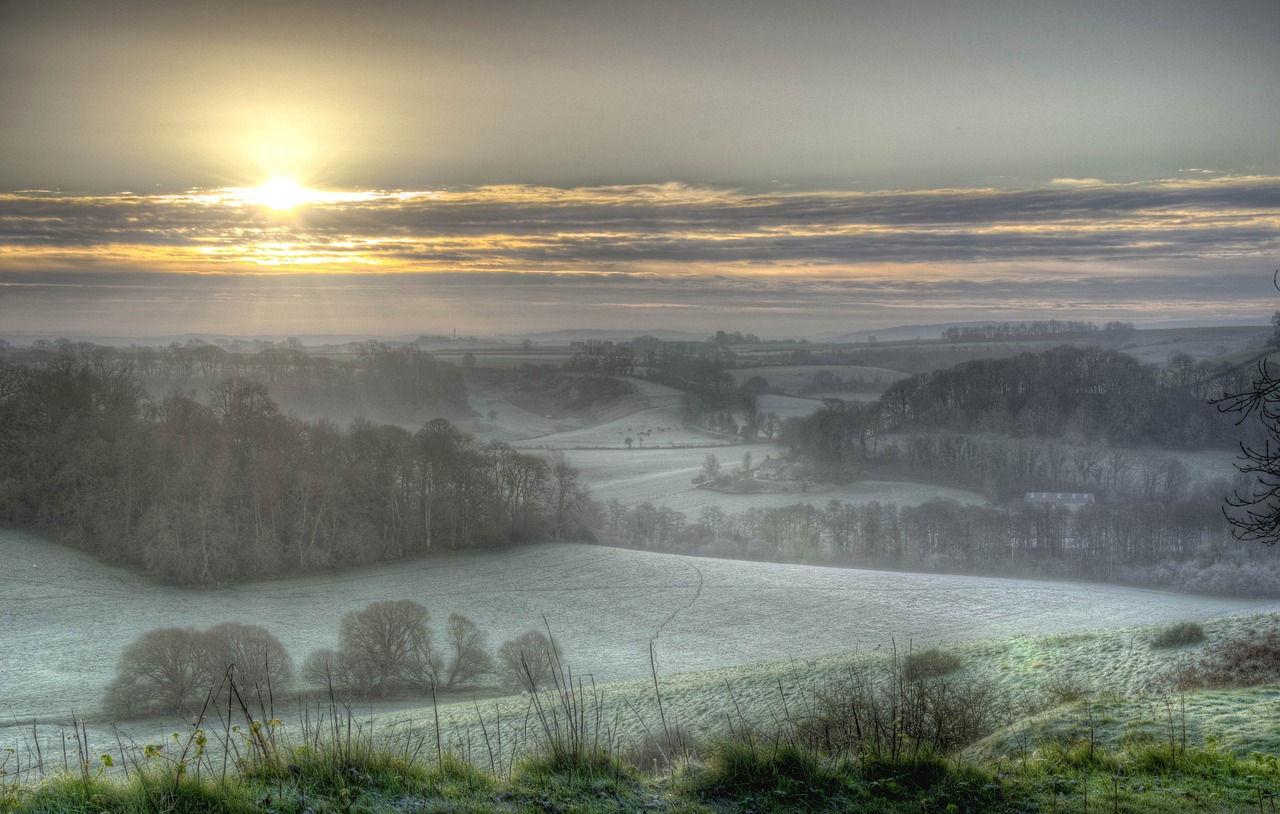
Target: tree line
[[387, 648], [1091, 393], [1003, 468], [402, 383], [1185, 545], [999, 331], [843, 441], [600, 356], [231, 488]]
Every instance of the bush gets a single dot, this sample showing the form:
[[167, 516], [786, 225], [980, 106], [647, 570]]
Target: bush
[[1065, 688], [657, 751], [388, 647], [932, 663], [738, 767], [1179, 635], [877, 712], [1245, 661]]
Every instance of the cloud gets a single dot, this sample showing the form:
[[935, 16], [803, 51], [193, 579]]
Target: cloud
[[630, 228], [110, 302], [1078, 182], [515, 255]]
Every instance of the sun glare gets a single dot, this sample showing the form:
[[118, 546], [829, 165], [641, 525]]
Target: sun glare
[[282, 194]]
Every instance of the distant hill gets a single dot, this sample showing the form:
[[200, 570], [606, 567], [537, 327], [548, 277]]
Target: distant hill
[[898, 334], [933, 332], [583, 334]]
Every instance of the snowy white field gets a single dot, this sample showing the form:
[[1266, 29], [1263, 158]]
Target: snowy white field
[[66, 617]]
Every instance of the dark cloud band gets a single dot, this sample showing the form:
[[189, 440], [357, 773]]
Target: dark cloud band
[[622, 227]]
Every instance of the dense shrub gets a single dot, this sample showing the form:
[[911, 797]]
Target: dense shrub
[[789, 774], [879, 713], [1244, 661], [932, 663], [1233, 573], [1178, 635]]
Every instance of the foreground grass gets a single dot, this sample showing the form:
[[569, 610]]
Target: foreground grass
[[732, 776], [1095, 723], [1206, 750]]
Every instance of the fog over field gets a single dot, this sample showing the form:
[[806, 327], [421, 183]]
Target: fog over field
[[849, 406], [841, 499]]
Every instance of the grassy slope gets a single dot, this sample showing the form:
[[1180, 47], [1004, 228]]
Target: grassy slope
[[1119, 741]]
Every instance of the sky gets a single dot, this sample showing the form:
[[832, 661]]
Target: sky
[[506, 167]]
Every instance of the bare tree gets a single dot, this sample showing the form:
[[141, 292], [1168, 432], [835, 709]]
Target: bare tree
[[388, 644], [529, 660], [240, 401], [1088, 463], [469, 657], [568, 496], [259, 663], [1255, 515], [164, 670], [711, 467], [322, 669]]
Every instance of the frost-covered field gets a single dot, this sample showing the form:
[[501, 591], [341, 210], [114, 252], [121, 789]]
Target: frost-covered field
[[652, 421], [663, 477], [665, 456], [658, 426], [66, 617], [790, 378], [791, 406]]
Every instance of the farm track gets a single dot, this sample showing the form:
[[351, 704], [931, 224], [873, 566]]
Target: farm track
[[696, 595]]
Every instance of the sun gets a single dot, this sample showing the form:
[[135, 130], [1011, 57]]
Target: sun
[[280, 193], [283, 194]]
